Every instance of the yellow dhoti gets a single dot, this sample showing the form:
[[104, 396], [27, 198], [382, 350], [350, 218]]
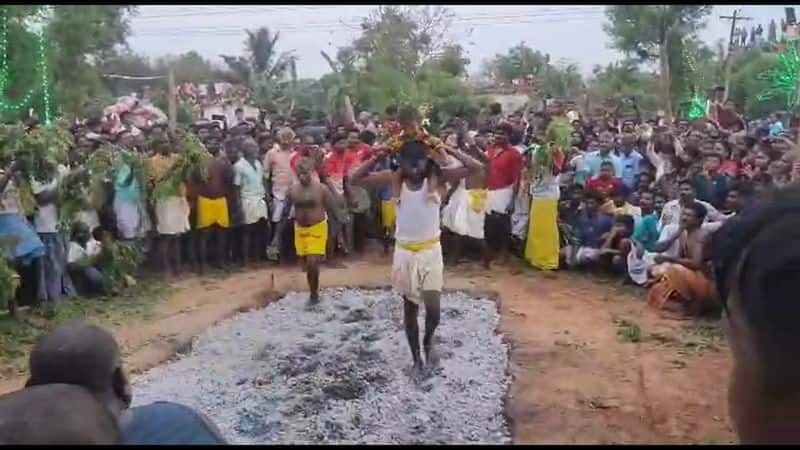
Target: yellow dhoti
[[311, 240], [212, 211], [388, 212], [541, 250]]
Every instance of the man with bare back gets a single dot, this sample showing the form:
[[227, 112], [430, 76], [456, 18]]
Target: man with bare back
[[417, 267], [312, 199]]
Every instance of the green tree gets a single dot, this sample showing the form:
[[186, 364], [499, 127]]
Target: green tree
[[519, 62], [189, 66], [78, 38], [621, 80], [644, 32]]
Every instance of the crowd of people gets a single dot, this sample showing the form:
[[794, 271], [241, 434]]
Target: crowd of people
[[645, 199], [628, 196]]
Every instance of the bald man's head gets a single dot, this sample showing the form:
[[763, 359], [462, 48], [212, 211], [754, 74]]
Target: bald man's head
[[82, 354], [55, 414]]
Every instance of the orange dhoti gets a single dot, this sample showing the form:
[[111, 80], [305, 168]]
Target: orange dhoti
[[689, 286]]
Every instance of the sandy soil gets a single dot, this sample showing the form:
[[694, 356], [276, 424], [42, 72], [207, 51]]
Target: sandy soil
[[575, 379]]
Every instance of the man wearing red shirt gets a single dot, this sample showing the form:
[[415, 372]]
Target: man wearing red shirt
[[502, 182], [605, 181], [336, 166], [356, 147], [391, 125]]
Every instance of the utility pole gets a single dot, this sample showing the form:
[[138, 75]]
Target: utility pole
[[729, 56], [173, 99]]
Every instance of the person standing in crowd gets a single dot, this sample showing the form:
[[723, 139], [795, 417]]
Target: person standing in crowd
[[502, 182], [213, 214], [171, 212], [277, 167], [248, 181], [593, 160], [54, 279], [710, 185], [336, 166], [630, 159]]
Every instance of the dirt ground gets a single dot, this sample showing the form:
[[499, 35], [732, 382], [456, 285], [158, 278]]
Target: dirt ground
[[591, 363]]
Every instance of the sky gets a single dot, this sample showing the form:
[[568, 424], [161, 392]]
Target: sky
[[569, 33]]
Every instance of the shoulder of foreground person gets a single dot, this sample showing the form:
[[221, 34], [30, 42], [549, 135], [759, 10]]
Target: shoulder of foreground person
[[167, 423]]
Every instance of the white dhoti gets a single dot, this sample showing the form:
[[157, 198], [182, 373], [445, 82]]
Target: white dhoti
[[278, 205], [500, 199], [132, 219], [638, 266], [172, 215], [465, 213], [416, 272], [519, 218], [253, 209]]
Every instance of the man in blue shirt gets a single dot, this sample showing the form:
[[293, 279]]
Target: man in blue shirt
[[592, 226], [630, 159], [593, 160]]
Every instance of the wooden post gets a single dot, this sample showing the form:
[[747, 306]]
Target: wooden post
[[173, 99]]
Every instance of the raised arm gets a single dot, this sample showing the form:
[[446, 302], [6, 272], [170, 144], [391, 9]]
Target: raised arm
[[361, 176], [471, 166]]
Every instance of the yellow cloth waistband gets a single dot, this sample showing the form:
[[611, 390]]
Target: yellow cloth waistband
[[312, 228], [418, 246], [477, 199]]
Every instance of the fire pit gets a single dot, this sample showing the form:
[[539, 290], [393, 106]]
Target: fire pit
[[339, 373]]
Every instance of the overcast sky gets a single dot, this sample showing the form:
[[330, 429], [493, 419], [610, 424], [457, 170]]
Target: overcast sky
[[570, 32]]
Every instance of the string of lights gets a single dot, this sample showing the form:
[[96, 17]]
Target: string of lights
[[42, 69], [783, 77]]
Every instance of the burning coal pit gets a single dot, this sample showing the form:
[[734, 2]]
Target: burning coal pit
[[339, 373]]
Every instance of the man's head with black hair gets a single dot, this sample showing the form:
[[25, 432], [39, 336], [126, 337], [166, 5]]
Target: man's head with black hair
[[756, 261], [592, 200], [391, 112], [367, 137], [693, 215], [495, 108], [82, 354], [408, 116], [414, 162]]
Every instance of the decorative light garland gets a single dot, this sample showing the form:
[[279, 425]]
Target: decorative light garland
[[42, 68], [696, 100], [783, 77]]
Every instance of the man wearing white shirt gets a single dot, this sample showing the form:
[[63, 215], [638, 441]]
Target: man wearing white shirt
[[671, 214], [54, 280]]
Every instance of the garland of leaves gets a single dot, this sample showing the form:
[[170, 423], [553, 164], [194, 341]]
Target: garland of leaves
[[557, 138], [192, 162], [119, 259]]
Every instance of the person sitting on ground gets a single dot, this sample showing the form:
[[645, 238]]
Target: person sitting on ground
[[606, 181], [592, 225], [684, 278], [619, 198], [755, 257], [81, 354], [81, 255], [55, 414], [617, 245]]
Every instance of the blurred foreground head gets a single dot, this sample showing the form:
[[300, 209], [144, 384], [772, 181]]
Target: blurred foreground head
[[55, 414], [82, 354], [756, 260]]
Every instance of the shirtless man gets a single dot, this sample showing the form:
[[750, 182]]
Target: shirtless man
[[417, 268], [311, 199], [213, 216]]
